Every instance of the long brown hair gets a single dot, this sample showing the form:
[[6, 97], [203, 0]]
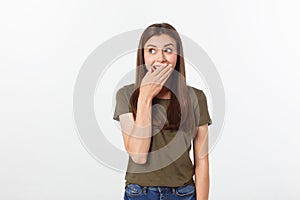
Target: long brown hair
[[177, 116]]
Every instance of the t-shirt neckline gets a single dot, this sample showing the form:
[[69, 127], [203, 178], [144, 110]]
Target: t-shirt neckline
[[160, 98]]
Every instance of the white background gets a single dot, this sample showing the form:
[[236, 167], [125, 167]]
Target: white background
[[254, 45]]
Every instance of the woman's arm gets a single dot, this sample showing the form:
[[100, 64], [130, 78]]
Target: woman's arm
[[137, 134], [201, 163]]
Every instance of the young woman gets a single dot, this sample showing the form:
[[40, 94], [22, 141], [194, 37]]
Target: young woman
[[159, 116]]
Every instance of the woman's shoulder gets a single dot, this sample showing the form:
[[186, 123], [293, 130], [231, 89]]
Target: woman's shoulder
[[128, 87], [126, 90], [197, 95], [194, 91]]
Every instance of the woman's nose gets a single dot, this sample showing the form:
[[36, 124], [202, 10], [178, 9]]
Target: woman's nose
[[161, 57]]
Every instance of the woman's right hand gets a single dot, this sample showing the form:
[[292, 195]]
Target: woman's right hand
[[155, 79]]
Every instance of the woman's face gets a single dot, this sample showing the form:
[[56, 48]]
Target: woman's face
[[160, 50]]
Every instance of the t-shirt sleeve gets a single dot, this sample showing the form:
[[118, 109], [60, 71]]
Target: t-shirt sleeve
[[201, 112], [122, 104]]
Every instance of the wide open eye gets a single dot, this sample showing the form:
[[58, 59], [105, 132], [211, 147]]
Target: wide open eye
[[168, 50], [152, 51]]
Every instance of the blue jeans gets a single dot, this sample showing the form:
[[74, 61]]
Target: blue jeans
[[138, 192]]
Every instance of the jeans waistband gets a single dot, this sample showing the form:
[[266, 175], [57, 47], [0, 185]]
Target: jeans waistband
[[161, 188]]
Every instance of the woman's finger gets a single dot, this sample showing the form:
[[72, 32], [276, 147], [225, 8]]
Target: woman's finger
[[165, 77], [164, 71], [158, 69]]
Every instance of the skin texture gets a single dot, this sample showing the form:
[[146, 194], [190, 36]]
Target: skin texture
[[160, 51], [201, 162]]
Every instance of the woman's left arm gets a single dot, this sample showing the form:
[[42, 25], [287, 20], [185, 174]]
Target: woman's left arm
[[201, 162]]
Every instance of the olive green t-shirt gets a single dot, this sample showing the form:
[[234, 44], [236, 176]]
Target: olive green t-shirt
[[179, 172]]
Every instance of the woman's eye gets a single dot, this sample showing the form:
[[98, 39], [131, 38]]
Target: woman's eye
[[168, 50], [152, 51]]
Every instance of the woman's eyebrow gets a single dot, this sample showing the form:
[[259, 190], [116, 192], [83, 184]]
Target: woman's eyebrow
[[164, 45], [151, 45], [169, 44]]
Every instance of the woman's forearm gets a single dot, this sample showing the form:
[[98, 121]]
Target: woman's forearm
[[140, 137], [202, 180]]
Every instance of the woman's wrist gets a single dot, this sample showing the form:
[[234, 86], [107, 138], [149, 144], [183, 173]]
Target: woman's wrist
[[145, 97]]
